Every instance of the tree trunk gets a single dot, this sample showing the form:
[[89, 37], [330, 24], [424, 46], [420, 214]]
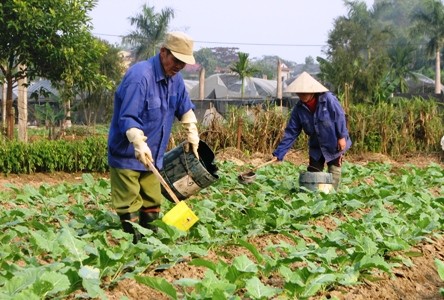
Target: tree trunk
[[438, 72], [68, 123], [22, 105], [242, 87], [4, 107], [10, 113]]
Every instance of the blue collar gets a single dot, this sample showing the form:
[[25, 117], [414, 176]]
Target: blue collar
[[158, 70]]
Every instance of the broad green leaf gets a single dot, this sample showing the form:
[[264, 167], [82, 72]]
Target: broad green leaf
[[44, 240], [440, 266], [257, 290], [368, 262], [91, 281], [21, 281], [292, 277], [252, 249], [73, 245], [59, 282], [203, 263], [244, 264], [89, 272], [159, 284]]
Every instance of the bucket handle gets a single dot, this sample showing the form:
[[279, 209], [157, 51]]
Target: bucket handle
[[153, 169]]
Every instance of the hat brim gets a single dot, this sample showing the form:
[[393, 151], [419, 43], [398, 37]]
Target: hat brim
[[188, 59], [305, 83]]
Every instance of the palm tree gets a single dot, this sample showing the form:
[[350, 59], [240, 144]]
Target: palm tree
[[243, 69], [150, 31], [401, 65], [430, 23]]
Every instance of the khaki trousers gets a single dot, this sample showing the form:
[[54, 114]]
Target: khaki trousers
[[132, 190]]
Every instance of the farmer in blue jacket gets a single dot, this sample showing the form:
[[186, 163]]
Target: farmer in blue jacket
[[320, 115], [149, 98]]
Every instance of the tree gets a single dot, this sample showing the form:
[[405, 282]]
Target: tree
[[51, 38], [429, 22], [243, 69], [206, 58], [356, 53], [150, 31], [225, 56], [266, 65], [96, 100], [309, 60], [401, 66]]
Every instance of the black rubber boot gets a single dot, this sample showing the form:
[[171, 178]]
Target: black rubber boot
[[148, 215], [128, 227]]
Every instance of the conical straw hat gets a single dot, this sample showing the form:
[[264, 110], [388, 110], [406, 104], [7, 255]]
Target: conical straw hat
[[305, 84]]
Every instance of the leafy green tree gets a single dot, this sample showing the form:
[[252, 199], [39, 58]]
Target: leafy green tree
[[243, 68], [309, 60], [429, 22], [225, 56], [356, 52], [51, 38], [96, 100], [397, 14], [206, 58], [266, 66], [401, 66], [150, 31]]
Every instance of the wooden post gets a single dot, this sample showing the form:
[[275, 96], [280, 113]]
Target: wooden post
[[438, 73], [239, 131], [202, 83], [279, 82]]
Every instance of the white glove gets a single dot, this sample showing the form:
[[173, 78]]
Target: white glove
[[141, 149], [442, 142], [189, 122]]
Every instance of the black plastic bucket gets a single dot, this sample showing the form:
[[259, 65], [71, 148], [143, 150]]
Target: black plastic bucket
[[316, 181], [185, 174]]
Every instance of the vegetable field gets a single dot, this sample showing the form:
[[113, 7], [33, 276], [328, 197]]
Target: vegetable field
[[265, 240]]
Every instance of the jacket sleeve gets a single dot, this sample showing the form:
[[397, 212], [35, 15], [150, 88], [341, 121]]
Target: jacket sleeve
[[291, 133], [340, 121]]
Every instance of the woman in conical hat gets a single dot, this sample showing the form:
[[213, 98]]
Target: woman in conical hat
[[320, 115]]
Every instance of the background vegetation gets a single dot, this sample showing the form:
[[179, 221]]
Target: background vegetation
[[402, 126], [371, 53]]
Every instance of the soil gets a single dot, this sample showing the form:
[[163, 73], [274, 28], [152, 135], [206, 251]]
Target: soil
[[421, 281]]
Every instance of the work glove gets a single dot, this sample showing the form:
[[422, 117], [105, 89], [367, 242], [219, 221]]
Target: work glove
[[189, 122], [141, 149]]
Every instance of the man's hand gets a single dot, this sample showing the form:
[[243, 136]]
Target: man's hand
[[342, 144], [189, 122], [141, 149]]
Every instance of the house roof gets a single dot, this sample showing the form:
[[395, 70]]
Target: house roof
[[224, 86], [44, 84]]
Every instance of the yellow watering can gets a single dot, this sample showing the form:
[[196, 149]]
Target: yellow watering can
[[180, 216]]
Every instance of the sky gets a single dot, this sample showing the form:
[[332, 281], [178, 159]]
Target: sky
[[290, 29]]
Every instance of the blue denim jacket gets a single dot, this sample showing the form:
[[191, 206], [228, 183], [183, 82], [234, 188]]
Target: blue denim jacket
[[324, 128], [147, 100]]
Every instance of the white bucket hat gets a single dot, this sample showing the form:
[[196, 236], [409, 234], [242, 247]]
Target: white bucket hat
[[305, 83], [181, 46]]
